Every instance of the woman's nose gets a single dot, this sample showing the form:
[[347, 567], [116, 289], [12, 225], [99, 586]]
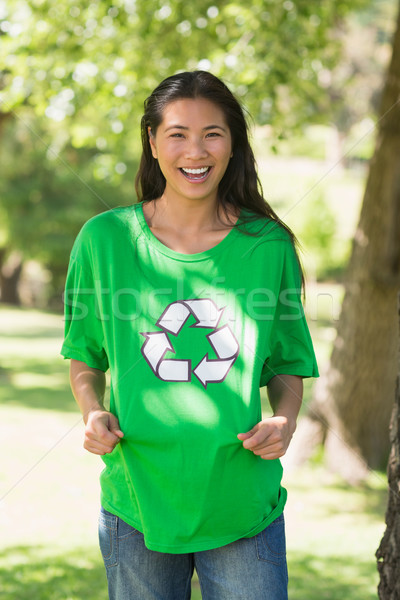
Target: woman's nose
[[196, 149]]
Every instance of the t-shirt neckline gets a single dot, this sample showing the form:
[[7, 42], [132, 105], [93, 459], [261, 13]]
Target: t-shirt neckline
[[158, 245]]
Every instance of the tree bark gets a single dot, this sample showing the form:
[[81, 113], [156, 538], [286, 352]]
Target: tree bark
[[388, 553], [353, 399], [10, 274]]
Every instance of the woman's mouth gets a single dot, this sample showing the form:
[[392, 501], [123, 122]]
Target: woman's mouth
[[196, 175]]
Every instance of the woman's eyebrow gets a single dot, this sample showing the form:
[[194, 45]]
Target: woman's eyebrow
[[204, 128], [214, 127]]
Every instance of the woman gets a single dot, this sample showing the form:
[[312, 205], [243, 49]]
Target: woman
[[192, 298]]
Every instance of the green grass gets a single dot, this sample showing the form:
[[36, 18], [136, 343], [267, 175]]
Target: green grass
[[333, 533], [50, 493], [33, 572]]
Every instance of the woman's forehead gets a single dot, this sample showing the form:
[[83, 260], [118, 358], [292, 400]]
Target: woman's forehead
[[187, 110]]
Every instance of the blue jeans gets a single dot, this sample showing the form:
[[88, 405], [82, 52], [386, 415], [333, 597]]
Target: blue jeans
[[248, 569]]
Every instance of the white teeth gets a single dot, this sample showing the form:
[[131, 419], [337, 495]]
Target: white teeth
[[196, 171]]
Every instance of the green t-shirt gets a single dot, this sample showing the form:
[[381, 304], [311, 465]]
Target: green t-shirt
[[189, 339]]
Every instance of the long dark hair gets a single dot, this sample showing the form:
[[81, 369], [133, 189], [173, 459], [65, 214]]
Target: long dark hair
[[240, 186]]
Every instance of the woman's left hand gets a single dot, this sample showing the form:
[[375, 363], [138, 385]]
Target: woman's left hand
[[270, 438]]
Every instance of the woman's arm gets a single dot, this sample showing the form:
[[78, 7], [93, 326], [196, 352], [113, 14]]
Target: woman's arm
[[102, 432], [270, 438]]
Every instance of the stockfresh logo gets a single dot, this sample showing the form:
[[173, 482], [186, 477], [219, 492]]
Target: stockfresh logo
[[221, 339]]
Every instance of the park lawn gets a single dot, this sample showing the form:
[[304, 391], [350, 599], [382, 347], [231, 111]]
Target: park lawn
[[49, 491]]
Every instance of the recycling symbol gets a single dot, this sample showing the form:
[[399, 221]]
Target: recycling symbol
[[172, 320]]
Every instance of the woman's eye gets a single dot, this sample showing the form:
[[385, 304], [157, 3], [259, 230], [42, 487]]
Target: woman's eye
[[213, 134], [177, 135]]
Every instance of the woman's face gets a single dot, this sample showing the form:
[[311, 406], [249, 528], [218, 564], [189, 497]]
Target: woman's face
[[193, 146]]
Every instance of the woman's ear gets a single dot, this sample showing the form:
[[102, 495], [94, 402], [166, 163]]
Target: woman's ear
[[152, 142]]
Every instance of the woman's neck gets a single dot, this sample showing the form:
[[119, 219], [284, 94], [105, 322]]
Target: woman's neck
[[186, 216]]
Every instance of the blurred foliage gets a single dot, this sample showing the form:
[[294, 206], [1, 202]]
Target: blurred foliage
[[74, 75], [355, 82], [359, 143], [318, 229], [310, 142], [45, 199], [90, 65]]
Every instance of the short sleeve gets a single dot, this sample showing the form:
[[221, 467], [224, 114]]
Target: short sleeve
[[84, 336], [291, 350]]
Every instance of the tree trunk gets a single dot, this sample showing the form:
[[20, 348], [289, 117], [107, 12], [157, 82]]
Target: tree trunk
[[10, 273], [353, 400], [388, 553]]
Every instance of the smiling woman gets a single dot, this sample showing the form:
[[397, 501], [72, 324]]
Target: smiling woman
[[192, 141], [163, 293]]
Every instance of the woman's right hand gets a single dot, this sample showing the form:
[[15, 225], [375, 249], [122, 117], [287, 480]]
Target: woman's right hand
[[102, 432]]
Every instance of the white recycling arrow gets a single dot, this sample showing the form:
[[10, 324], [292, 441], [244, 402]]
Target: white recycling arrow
[[222, 340], [212, 371], [154, 349], [174, 370], [174, 317], [226, 348], [205, 311]]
